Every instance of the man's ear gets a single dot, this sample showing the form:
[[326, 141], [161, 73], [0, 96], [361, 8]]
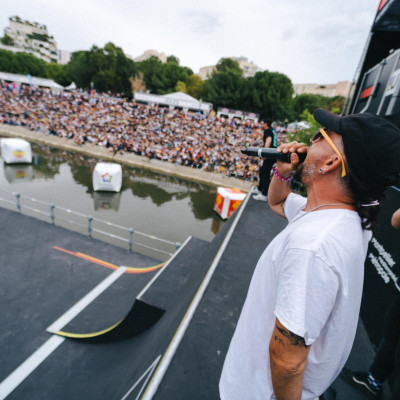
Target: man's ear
[[332, 163]]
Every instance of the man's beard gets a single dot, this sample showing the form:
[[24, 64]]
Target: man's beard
[[304, 173]]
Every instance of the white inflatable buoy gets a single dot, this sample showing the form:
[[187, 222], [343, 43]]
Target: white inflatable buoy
[[107, 177], [14, 151], [227, 201]]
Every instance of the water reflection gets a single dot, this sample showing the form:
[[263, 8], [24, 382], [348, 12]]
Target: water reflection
[[217, 223], [18, 172], [107, 200]]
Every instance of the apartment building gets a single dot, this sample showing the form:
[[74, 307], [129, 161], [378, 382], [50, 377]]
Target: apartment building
[[33, 38]]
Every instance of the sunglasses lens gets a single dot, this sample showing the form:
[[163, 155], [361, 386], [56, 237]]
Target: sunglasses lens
[[316, 136]]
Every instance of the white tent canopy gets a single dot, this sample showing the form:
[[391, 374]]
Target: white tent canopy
[[178, 99], [8, 77], [72, 86]]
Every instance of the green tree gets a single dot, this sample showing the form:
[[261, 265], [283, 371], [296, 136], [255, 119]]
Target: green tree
[[108, 68], [304, 135], [225, 88], [228, 64], [310, 102], [181, 87], [22, 63], [151, 69], [195, 87], [270, 95], [336, 103], [173, 59], [58, 73], [171, 73], [7, 40], [163, 78], [79, 69]]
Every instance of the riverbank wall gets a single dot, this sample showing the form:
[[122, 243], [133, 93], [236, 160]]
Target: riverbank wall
[[132, 160]]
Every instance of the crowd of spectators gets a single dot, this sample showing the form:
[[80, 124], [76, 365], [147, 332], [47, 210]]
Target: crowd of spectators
[[181, 137]]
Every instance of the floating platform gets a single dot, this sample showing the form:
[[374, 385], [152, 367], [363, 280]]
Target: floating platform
[[16, 151]]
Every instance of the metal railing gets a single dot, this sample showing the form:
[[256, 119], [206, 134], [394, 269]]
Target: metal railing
[[65, 217]]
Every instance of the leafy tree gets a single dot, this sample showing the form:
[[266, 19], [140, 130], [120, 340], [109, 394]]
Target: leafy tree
[[181, 87], [79, 68], [151, 70], [171, 73], [173, 59], [336, 103], [58, 73], [225, 88], [108, 68], [163, 78], [22, 63], [304, 135], [270, 95], [310, 102], [227, 64], [195, 87], [7, 40]]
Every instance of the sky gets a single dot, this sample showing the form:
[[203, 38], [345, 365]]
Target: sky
[[310, 41]]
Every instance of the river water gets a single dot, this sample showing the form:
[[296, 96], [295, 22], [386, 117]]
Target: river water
[[156, 204]]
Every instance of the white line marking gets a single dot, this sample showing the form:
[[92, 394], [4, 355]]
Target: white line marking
[[176, 340], [148, 372], [163, 268], [33, 361], [85, 301], [29, 365]]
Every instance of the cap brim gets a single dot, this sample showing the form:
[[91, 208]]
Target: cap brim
[[327, 119]]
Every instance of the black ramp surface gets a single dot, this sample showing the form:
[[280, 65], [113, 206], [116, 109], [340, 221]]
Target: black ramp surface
[[197, 365], [140, 317], [39, 283]]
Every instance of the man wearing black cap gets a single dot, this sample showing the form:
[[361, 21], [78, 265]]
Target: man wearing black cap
[[299, 319]]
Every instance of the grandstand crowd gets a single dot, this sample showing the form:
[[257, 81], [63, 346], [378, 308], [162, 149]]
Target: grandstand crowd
[[181, 137]]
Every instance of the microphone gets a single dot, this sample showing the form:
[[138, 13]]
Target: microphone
[[272, 154]]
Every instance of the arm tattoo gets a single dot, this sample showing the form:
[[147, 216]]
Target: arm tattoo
[[295, 340], [279, 340]]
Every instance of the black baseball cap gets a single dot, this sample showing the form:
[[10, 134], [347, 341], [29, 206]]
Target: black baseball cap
[[371, 146]]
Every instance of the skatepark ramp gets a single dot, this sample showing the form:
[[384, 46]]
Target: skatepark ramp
[[139, 318], [176, 280]]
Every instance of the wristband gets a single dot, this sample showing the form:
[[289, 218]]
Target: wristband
[[278, 176]]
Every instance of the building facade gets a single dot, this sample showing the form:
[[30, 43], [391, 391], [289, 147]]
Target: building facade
[[63, 56], [151, 53], [248, 67], [330, 90], [206, 72], [33, 38]]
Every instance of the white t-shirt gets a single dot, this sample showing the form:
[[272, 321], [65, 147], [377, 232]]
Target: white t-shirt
[[310, 277]]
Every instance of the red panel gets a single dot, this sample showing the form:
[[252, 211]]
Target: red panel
[[382, 4], [366, 92], [234, 204], [219, 203]]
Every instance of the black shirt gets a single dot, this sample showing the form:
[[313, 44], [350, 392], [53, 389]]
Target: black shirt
[[270, 133]]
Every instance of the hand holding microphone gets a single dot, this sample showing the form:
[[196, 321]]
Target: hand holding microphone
[[288, 156], [297, 153]]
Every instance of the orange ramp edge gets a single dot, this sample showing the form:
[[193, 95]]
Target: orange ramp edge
[[130, 270]]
